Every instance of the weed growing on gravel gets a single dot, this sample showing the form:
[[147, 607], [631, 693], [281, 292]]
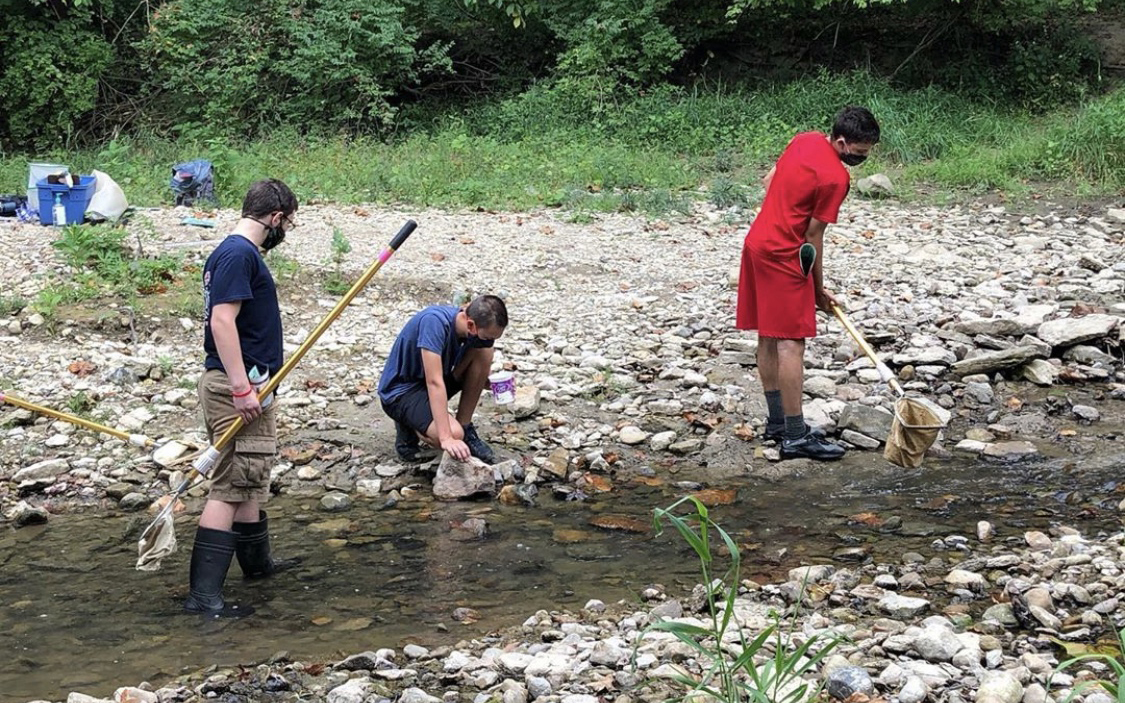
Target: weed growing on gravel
[[1110, 656], [756, 674], [80, 403], [336, 282], [55, 295], [11, 304], [282, 267], [100, 257], [726, 193]]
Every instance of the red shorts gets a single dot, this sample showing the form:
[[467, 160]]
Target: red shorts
[[774, 297]]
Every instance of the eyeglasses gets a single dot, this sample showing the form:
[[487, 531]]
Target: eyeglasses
[[290, 221]]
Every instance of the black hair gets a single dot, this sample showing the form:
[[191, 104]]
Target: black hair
[[857, 125], [488, 311], [268, 196]]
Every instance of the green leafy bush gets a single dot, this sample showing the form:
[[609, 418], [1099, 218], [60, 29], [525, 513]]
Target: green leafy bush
[[324, 64], [50, 72]]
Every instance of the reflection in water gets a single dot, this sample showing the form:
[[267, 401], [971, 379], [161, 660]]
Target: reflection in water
[[79, 617]]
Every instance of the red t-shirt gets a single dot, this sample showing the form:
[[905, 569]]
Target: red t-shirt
[[810, 181]]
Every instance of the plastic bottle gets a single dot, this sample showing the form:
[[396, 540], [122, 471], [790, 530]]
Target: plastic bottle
[[58, 212], [259, 380]]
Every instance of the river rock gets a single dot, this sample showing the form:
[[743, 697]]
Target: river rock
[[136, 419], [859, 440], [134, 501], [515, 662], [875, 186], [937, 644], [417, 695], [820, 387], [866, 420], [130, 694], [51, 468], [988, 362], [993, 327], [611, 653], [914, 690], [1090, 356], [526, 403], [335, 502], [662, 440], [369, 487], [999, 687], [631, 434], [75, 697], [537, 687], [847, 681], [1010, 451], [1040, 372], [817, 573], [984, 530], [352, 691], [960, 578], [462, 479], [1069, 331], [903, 607], [1086, 413], [1001, 613], [23, 513], [364, 661]]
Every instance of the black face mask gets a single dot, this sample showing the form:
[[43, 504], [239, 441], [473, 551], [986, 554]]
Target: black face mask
[[853, 159], [274, 236]]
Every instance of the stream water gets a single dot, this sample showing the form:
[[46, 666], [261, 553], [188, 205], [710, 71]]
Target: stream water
[[77, 616]]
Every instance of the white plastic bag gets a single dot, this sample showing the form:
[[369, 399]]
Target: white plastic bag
[[108, 202]]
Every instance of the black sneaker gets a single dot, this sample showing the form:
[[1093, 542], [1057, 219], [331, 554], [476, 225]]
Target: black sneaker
[[776, 433], [811, 447], [477, 447], [407, 445]]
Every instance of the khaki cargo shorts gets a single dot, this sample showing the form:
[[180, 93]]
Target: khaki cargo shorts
[[243, 470]]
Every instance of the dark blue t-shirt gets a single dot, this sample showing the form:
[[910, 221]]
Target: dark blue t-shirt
[[235, 271], [432, 329]]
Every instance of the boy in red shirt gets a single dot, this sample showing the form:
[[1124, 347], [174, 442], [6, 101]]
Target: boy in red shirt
[[776, 296]]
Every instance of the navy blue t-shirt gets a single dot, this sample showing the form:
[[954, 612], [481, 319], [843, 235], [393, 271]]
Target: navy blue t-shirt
[[432, 329], [235, 271]]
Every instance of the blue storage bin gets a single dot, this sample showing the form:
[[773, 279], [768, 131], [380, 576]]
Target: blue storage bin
[[75, 200]]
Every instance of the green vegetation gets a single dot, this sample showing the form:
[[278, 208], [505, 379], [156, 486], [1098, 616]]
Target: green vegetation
[[80, 404], [593, 105], [765, 667], [11, 304], [101, 263], [1109, 657], [649, 153], [336, 282]]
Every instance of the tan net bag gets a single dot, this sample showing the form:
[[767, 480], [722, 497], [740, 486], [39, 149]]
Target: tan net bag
[[915, 427]]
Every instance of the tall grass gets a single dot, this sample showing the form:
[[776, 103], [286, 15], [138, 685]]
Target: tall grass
[[738, 666], [543, 146]]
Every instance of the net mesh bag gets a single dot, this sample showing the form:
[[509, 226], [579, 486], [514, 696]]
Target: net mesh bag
[[915, 427]]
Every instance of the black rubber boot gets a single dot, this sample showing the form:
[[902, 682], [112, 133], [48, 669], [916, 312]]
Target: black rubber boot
[[253, 549], [210, 559]]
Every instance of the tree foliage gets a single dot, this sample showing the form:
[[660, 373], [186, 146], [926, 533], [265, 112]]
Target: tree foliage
[[90, 67]]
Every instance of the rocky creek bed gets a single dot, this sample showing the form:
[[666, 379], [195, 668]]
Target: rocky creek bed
[[629, 368]]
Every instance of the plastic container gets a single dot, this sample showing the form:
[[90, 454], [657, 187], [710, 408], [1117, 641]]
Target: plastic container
[[74, 199], [58, 211], [37, 171]]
